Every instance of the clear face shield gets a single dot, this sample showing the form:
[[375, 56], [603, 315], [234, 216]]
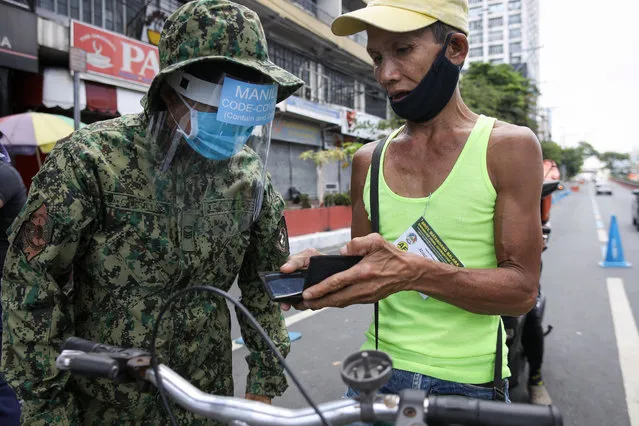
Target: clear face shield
[[214, 139]]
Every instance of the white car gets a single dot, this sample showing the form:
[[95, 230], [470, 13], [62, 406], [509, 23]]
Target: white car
[[603, 188]]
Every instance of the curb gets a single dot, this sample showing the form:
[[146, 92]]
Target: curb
[[319, 240]]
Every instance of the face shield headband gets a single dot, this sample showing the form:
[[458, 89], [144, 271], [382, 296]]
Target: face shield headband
[[227, 116]]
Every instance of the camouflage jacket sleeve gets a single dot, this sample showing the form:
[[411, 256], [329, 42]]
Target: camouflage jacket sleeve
[[37, 287], [267, 252]]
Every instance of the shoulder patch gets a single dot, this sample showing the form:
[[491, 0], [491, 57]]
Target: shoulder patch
[[35, 233]]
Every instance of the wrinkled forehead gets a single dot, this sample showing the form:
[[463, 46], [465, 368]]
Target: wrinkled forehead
[[379, 38]]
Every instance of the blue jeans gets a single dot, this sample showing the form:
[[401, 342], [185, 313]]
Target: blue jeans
[[9, 406], [408, 380]]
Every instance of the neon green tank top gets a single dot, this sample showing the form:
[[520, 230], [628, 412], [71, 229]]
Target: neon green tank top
[[429, 336]]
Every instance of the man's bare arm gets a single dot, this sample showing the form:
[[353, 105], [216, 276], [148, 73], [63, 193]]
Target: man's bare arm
[[515, 165]]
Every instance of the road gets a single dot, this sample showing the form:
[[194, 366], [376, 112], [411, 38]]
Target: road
[[592, 354]]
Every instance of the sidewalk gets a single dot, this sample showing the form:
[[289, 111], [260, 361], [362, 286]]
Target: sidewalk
[[319, 240]]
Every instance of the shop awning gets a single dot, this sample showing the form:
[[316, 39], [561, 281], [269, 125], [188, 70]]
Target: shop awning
[[56, 85]]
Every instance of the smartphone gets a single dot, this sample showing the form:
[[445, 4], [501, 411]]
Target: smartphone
[[288, 288], [284, 288]]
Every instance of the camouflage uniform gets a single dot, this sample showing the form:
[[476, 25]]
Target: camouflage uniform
[[105, 238]]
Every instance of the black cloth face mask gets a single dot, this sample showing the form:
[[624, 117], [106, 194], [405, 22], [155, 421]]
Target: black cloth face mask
[[432, 94]]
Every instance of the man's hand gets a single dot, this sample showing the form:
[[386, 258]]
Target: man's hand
[[258, 398], [295, 263], [384, 270]]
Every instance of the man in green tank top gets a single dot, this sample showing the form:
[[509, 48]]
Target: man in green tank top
[[459, 239]]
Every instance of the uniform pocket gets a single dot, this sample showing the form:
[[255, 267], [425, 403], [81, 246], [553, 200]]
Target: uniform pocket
[[130, 256]]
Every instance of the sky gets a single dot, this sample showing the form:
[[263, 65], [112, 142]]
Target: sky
[[589, 72]]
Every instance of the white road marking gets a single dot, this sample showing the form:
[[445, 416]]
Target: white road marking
[[627, 344], [289, 322], [602, 234]]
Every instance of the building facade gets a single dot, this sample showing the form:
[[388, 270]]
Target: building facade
[[505, 32], [340, 102]]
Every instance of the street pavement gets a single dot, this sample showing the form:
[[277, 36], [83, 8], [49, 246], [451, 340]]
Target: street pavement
[[582, 366]]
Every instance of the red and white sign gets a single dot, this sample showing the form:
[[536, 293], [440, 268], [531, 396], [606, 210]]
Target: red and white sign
[[115, 59]]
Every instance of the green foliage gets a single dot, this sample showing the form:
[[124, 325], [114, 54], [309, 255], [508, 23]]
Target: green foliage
[[501, 92], [611, 157], [343, 154], [552, 151], [305, 200], [573, 159], [342, 199], [329, 199], [588, 150]]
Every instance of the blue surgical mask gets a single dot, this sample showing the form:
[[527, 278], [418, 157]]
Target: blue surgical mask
[[214, 139]]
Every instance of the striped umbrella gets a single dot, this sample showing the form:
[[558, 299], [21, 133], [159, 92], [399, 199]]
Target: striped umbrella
[[23, 133]]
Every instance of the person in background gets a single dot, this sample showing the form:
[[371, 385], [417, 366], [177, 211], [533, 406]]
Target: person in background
[[13, 195]]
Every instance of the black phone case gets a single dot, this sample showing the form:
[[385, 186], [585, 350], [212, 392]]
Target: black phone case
[[322, 267]]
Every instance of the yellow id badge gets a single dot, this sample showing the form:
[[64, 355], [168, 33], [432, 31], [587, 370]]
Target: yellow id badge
[[422, 239]]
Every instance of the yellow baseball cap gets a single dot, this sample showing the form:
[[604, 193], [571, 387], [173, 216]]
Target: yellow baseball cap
[[401, 16]]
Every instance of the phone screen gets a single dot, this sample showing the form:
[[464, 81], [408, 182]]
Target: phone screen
[[284, 285]]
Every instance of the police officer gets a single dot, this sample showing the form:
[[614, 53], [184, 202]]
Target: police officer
[[128, 211]]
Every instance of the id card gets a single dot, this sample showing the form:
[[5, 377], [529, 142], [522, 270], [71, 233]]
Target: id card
[[422, 239]]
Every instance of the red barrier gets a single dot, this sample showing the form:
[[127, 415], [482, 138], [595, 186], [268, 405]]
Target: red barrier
[[320, 219]]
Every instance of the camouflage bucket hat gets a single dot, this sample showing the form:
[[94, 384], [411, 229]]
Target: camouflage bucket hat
[[217, 30]]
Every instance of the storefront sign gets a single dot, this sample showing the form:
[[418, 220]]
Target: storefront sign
[[115, 59], [296, 131], [18, 38], [313, 110], [361, 125]]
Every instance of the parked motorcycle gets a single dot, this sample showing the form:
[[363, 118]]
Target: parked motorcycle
[[515, 325]]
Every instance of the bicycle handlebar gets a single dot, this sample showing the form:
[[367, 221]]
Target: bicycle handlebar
[[87, 358]]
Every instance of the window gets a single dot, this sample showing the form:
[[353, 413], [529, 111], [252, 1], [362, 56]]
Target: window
[[496, 49], [375, 101], [476, 51], [308, 5], [514, 19], [47, 5], [514, 33], [497, 61], [291, 61], [476, 2], [515, 59], [476, 25], [496, 35], [514, 5], [340, 89], [515, 47], [108, 14], [496, 8], [475, 11], [496, 22], [476, 38], [87, 10]]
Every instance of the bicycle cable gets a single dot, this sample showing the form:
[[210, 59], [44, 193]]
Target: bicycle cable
[[254, 323]]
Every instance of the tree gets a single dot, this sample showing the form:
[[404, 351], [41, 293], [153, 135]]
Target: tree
[[615, 161], [501, 92], [588, 150], [343, 154], [572, 159], [552, 151]]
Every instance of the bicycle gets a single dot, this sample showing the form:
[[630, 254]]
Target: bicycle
[[364, 371]]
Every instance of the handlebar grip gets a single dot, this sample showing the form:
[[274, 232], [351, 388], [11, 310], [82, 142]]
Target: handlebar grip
[[94, 366], [79, 344], [444, 410]]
